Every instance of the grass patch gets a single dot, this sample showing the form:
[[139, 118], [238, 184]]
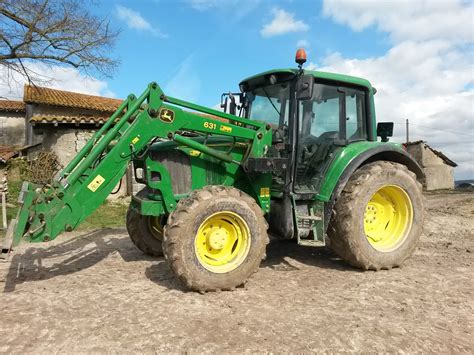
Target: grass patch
[[14, 188], [109, 215]]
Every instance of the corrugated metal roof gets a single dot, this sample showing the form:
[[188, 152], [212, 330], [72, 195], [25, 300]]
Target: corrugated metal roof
[[12, 106], [41, 95]]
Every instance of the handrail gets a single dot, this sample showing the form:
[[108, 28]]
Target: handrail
[[210, 111]]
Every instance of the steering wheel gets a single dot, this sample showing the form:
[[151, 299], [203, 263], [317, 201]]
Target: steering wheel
[[327, 136], [311, 144]]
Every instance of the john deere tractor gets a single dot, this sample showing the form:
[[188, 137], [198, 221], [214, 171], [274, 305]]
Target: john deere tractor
[[295, 154]]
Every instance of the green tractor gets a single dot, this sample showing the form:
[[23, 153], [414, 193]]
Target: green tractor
[[296, 154]]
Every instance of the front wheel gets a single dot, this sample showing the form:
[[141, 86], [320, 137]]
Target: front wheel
[[215, 239], [378, 219], [146, 232]]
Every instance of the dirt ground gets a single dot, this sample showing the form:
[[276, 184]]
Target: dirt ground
[[94, 291]]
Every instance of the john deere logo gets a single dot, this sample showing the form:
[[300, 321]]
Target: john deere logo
[[166, 115]]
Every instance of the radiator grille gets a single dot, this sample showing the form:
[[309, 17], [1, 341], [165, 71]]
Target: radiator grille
[[179, 167]]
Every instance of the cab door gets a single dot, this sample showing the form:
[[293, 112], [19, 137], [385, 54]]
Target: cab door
[[332, 118]]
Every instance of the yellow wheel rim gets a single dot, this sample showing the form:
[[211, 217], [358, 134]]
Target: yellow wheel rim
[[222, 242], [388, 218]]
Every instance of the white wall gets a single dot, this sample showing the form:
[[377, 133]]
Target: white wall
[[12, 128]]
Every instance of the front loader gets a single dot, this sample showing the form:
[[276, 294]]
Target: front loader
[[297, 154]]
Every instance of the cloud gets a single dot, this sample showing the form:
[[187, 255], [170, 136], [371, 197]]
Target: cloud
[[203, 5], [185, 84], [406, 19], [426, 76], [283, 22], [231, 10], [69, 79], [302, 43], [135, 20]]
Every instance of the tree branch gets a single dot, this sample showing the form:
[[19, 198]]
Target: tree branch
[[60, 32]]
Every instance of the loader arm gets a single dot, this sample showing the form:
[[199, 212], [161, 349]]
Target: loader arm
[[85, 183]]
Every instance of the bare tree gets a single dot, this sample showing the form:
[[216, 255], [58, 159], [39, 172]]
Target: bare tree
[[53, 32]]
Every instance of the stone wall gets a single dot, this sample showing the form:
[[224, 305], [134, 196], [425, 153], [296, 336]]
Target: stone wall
[[66, 143], [3, 178], [12, 129], [439, 175]]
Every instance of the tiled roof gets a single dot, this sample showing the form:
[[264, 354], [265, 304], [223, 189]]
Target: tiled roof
[[443, 157], [40, 95], [98, 119], [12, 106], [71, 119], [7, 152]]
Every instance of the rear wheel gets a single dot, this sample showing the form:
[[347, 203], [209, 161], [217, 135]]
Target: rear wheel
[[215, 239], [378, 219]]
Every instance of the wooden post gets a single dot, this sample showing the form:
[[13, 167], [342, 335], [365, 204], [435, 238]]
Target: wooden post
[[4, 210], [408, 134]]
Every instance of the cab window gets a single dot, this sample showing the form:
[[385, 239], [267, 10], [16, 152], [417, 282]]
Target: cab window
[[319, 117], [270, 104]]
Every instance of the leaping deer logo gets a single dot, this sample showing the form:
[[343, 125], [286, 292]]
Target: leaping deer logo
[[166, 115]]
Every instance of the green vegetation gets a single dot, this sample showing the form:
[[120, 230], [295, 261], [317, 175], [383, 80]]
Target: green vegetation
[[14, 188], [109, 215]]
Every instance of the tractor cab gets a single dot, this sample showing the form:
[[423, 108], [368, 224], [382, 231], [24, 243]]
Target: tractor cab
[[313, 114]]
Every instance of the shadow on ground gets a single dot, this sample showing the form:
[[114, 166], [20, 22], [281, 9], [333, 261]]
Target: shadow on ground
[[279, 251], [85, 251], [73, 256]]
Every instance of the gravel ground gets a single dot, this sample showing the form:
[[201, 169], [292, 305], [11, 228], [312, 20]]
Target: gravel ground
[[94, 291]]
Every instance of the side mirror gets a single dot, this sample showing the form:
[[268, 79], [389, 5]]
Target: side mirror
[[385, 130], [229, 102], [224, 103], [304, 87], [233, 105]]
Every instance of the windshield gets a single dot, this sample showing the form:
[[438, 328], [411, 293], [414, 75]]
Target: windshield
[[270, 104]]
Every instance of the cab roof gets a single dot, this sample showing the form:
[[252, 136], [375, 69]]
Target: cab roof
[[282, 74]]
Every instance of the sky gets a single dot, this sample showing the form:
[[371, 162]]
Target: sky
[[418, 54]]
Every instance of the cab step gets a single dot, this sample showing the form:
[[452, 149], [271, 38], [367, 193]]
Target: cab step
[[309, 218], [311, 243]]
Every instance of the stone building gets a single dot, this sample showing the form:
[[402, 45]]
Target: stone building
[[62, 122], [12, 123], [55, 120], [438, 168], [12, 135]]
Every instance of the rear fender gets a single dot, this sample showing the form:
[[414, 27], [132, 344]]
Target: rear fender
[[387, 152]]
